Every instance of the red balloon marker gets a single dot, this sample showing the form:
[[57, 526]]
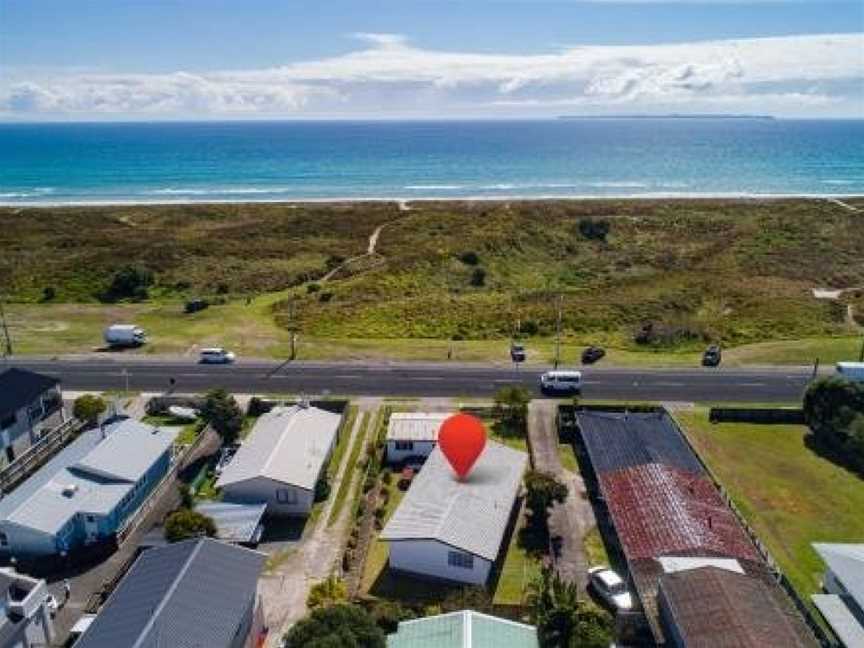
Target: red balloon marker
[[462, 438]]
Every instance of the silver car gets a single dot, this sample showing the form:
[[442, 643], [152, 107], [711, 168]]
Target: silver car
[[611, 588]]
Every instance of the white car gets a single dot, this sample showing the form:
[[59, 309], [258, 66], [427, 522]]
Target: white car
[[561, 382], [611, 588], [216, 356], [51, 605]]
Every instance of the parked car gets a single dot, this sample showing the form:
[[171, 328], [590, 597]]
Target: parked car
[[125, 335], [853, 371], [592, 354], [216, 355], [610, 587], [712, 356], [517, 352], [561, 382]]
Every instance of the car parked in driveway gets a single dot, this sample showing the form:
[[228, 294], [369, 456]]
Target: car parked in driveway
[[592, 354], [610, 587], [712, 356], [216, 355]]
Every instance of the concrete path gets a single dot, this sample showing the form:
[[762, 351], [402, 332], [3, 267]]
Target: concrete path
[[285, 588], [574, 518]]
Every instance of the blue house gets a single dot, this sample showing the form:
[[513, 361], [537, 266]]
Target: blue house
[[87, 492]]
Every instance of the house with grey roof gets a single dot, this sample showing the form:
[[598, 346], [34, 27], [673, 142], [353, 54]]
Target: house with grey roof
[[190, 594], [842, 604], [464, 629], [25, 619], [240, 523], [282, 460], [85, 493], [412, 435], [452, 529], [28, 404]]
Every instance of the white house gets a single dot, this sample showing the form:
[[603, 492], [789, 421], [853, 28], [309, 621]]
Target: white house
[[27, 402], [449, 529], [25, 620], [842, 604], [412, 434], [464, 629], [282, 460]]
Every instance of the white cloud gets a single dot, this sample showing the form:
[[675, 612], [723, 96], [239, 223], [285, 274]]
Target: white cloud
[[389, 76]]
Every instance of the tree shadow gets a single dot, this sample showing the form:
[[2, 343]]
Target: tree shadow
[[835, 456]]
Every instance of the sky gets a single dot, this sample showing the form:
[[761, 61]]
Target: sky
[[377, 59]]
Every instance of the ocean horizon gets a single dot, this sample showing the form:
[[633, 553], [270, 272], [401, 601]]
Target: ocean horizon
[[291, 161]]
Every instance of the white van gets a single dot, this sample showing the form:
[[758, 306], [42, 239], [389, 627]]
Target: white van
[[216, 355], [561, 382], [851, 370]]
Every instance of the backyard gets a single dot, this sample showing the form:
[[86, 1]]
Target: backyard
[[789, 494]]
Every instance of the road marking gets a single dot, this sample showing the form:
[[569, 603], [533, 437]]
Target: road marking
[[751, 384]]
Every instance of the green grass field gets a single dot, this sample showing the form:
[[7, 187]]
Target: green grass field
[[789, 495], [738, 272]]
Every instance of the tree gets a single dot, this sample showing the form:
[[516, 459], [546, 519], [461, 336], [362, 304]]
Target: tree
[[184, 524], [129, 282], [594, 229], [222, 412], [337, 626], [834, 410], [511, 408], [388, 614], [88, 407], [469, 258], [467, 598], [543, 490], [328, 592], [562, 619]]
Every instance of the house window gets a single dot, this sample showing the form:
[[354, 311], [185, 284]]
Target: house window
[[4, 540], [91, 519], [459, 559], [404, 445], [286, 496]]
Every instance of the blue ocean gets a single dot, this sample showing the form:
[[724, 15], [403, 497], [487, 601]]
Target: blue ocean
[[297, 160]]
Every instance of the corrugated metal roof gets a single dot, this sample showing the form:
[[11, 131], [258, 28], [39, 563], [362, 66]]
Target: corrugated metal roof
[[847, 563], [69, 485], [465, 629], [187, 595], [843, 622], [660, 511], [672, 564], [20, 387], [470, 515], [234, 522], [415, 426], [716, 608], [287, 444], [618, 440]]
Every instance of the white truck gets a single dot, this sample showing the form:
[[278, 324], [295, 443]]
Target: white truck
[[125, 335], [851, 370]]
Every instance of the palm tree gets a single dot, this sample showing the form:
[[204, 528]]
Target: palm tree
[[554, 606]]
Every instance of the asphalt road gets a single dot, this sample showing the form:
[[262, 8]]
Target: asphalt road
[[315, 379]]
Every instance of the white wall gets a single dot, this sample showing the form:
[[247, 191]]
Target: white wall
[[262, 490], [429, 558], [421, 448]]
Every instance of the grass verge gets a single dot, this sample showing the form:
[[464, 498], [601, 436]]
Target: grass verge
[[350, 469]]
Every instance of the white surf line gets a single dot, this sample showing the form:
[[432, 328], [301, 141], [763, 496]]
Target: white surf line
[[837, 201]]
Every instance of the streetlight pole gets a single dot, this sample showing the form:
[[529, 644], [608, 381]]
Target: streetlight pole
[[7, 339], [558, 331]]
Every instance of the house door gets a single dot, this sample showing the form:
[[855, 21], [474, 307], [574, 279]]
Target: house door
[[91, 529]]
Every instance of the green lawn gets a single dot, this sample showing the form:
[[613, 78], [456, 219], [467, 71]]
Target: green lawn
[[789, 495], [518, 570], [187, 435], [345, 484], [595, 548]]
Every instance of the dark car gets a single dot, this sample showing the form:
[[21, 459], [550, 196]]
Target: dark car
[[517, 353], [592, 354], [712, 356]]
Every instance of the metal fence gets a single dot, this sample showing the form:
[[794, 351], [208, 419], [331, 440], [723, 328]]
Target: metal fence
[[30, 460]]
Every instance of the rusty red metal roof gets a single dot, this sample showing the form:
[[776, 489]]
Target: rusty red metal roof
[[659, 510]]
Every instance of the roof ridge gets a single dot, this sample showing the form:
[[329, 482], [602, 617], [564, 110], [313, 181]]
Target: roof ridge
[[175, 583]]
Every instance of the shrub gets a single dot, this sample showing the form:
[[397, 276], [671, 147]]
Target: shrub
[[543, 490], [322, 489], [48, 293], [469, 258], [387, 478], [388, 614], [328, 592], [222, 288], [368, 484], [325, 297], [313, 288], [478, 277], [258, 406], [529, 327], [594, 229], [88, 408], [129, 282], [186, 523]]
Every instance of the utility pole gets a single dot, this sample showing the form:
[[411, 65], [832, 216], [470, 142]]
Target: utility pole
[[860, 355], [558, 331], [292, 327], [7, 340]]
